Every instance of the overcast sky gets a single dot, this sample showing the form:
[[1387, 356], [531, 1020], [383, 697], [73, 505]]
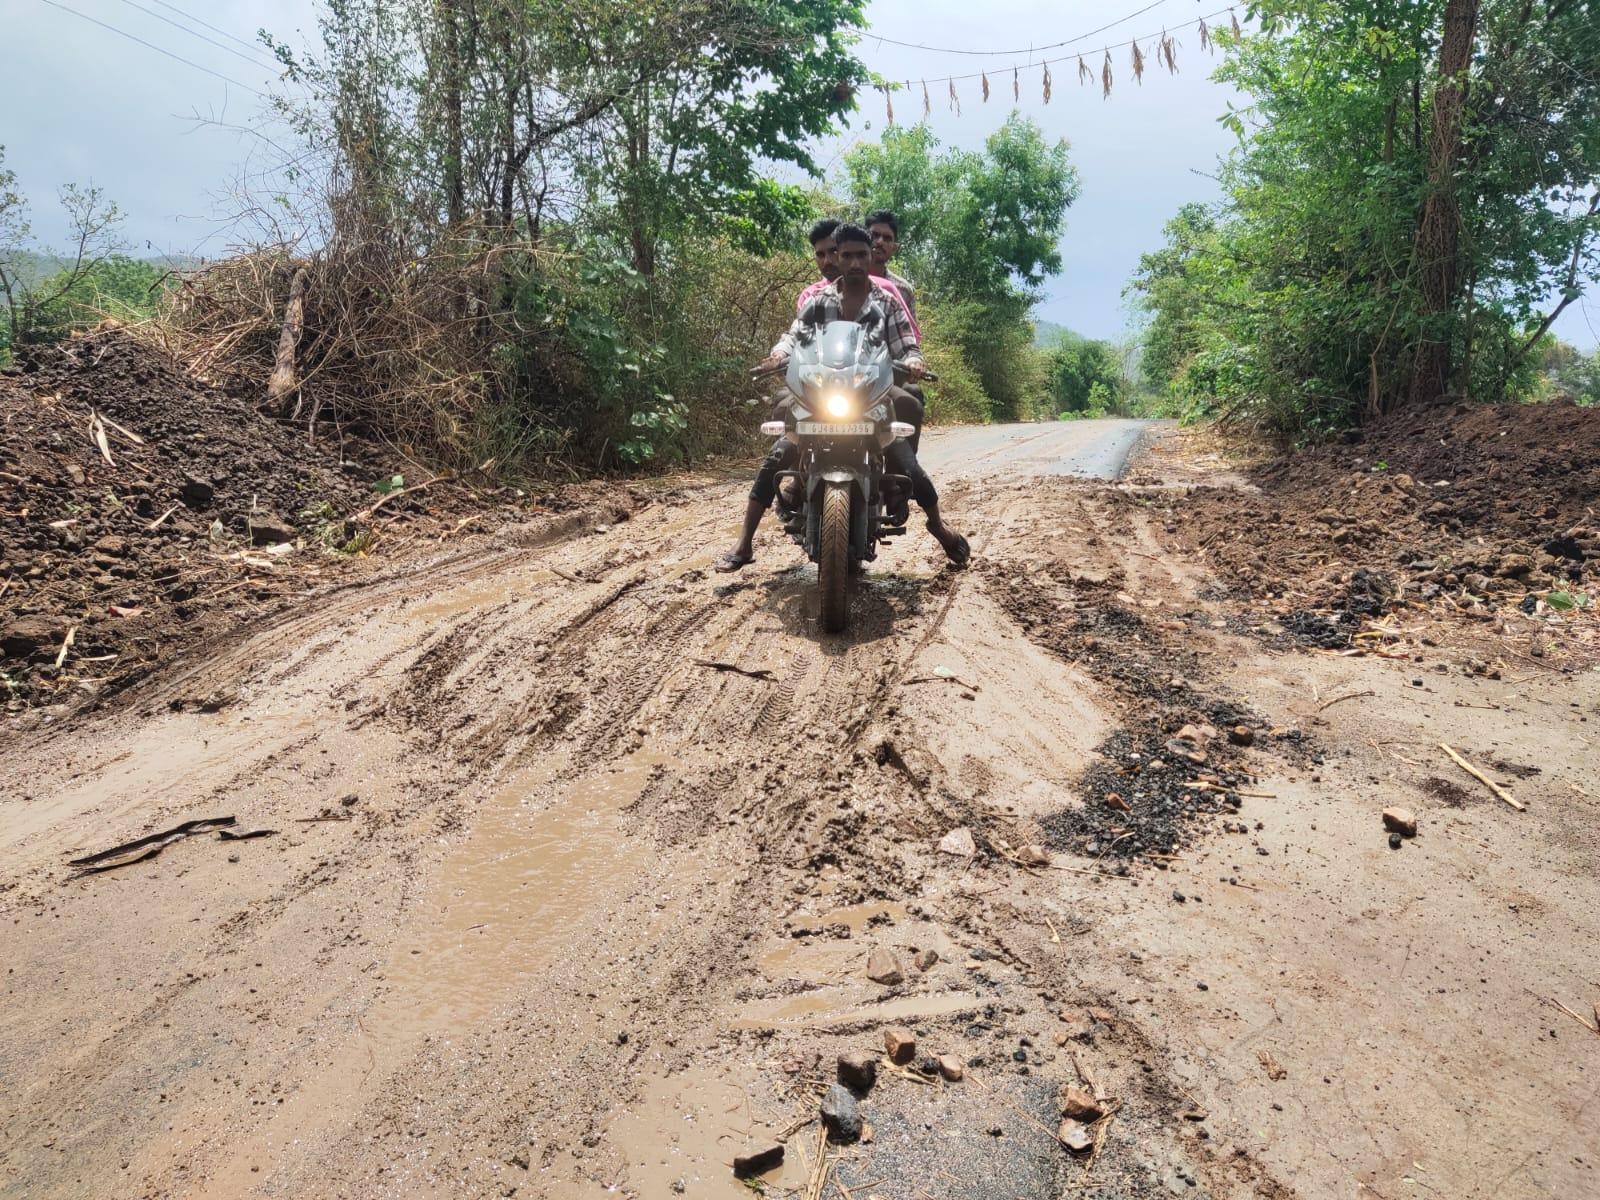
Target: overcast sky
[[84, 103]]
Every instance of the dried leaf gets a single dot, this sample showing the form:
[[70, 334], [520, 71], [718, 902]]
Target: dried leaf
[[1016, 85], [1105, 76], [127, 433], [1205, 36], [118, 610], [1237, 32], [1047, 85], [1084, 74], [888, 100], [927, 104], [1169, 53], [986, 88], [955, 101], [97, 431], [1138, 64]]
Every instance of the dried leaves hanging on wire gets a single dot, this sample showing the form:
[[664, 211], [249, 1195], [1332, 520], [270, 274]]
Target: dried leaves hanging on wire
[[1163, 48], [1237, 32]]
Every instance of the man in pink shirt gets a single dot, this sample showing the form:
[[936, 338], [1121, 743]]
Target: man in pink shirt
[[826, 252], [824, 247]]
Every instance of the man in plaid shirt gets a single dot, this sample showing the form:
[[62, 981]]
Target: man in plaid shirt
[[852, 298]]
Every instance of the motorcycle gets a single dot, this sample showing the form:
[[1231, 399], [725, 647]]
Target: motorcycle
[[843, 501]]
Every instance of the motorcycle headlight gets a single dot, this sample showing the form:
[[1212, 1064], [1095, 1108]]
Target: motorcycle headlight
[[839, 406]]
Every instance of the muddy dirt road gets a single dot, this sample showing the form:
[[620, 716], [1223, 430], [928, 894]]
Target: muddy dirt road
[[580, 853]]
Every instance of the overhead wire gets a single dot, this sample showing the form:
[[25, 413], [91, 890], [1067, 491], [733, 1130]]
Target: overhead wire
[[249, 58], [188, 62], [207, 24], [1050, 62], [1030, 50]]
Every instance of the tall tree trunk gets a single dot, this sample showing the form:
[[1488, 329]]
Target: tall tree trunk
[[640, 176], [1439, 231], [454, 186]]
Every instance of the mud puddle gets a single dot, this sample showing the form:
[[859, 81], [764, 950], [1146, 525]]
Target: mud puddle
[[543, 856], [516, 890]]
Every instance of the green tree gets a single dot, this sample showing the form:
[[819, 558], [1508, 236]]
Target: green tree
[[1084, 376], [980, 232], [560, 199], [691, 146], [42, 310], [1413, 183]]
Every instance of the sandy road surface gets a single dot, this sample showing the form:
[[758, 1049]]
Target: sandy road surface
[[555, 907]]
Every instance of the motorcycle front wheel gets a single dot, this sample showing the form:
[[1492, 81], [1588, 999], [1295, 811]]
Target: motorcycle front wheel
[[833, 560]]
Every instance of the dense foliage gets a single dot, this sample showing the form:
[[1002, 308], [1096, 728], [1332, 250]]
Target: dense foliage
[[548, 232], [590, 183], [1411, 202], [980, 233]]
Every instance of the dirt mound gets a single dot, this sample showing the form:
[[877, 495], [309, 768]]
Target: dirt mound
[[1468, 508], [138, 502]]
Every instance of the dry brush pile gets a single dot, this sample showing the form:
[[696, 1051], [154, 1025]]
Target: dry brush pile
[[383, 340]]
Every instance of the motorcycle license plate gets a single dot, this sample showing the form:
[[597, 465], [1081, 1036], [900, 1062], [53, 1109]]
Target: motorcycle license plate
[[835, 428]]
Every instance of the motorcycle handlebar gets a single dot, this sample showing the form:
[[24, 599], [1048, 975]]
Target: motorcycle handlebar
[[780, 368]]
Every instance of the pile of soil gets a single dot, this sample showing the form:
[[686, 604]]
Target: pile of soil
[[1465, 508], [1174, 767], [137, 505]]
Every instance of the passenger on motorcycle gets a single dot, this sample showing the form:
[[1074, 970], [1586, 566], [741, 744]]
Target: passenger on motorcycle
[[884, 227], [825, 248], [854, 297]]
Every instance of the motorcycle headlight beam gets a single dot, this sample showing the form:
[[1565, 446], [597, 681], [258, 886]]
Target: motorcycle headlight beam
[[839, 406]]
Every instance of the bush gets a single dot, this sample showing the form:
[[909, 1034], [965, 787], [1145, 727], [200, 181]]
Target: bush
[[958, 397]]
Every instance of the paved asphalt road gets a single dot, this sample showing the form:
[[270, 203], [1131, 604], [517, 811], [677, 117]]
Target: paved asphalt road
[[1096, 449]]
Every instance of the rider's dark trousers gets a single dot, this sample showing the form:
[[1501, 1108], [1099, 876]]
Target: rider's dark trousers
[[899, 458], [908, 407]]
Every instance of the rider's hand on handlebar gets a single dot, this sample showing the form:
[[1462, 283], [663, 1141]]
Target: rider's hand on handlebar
[[770, 363], [915, 371]]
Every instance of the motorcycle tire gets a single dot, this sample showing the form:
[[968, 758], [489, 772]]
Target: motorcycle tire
[[833, 561]]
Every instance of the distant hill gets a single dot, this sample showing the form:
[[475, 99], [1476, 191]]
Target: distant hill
[[34, 267], [1047, 334]]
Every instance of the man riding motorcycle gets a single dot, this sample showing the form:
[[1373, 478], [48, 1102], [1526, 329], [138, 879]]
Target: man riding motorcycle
[[909, 404], [854, 297], [825, 249]]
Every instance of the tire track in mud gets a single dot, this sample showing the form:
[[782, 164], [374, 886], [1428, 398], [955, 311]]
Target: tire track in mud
[[760, 798]]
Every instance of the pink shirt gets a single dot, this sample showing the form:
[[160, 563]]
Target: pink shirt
[[877, 280]]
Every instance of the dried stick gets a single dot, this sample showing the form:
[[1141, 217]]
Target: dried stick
[[1591, 1028], [1484, 779], [1342, 699]]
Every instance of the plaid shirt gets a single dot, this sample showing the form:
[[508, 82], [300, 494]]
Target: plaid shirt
[[894, 293], [880, 313]]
